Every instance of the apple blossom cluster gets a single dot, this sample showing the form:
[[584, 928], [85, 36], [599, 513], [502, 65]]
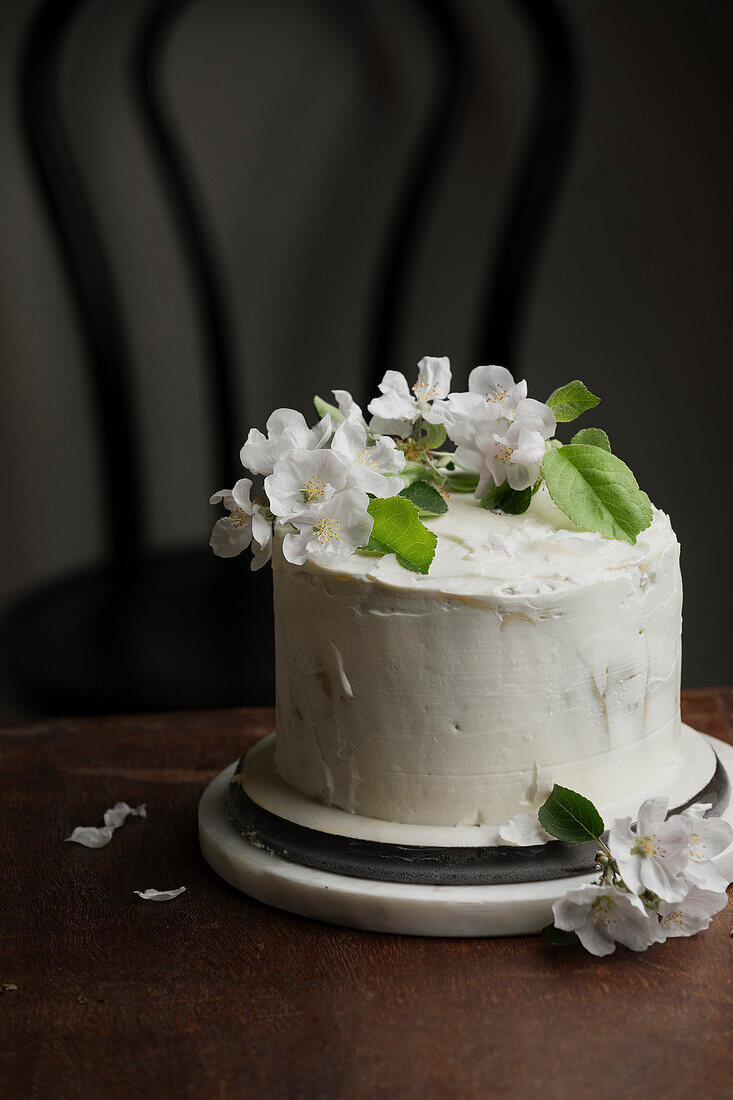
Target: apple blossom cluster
[[316, 482], [498, 431], [657, 879], [319, 484]]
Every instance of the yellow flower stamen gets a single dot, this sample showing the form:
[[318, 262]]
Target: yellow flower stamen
[[238, 517], [313, 489], [496, 395], [327, 530], [423, 391], [649, 846], [364, 460]]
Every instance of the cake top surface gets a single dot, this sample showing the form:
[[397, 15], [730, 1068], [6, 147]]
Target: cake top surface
[[487, 553]]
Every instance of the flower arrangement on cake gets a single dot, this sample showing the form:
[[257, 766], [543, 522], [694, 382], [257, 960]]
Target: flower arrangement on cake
[[347, 486]]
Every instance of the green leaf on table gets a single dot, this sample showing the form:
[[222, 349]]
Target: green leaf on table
[[425, 498], [322, 407], [568, 816], [597, 491], [558, 936], [397, 530], [502, 498], [568, 402], [462, 481], [592, 437]]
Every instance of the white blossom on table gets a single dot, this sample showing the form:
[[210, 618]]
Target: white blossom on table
[[244, 526], [398, 408], [692, 914], [709, 837], [653, 856], [604, 915], [330, 531], [287, 431], [368, 466]]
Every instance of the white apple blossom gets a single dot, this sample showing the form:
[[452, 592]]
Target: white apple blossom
[[368, 465], [304, 480], [604, 915], [397, 409], [692, 914], [709, 837], [348, 407], [492, 395], [333, 530], [523, 830], [286, 431], [510, 452], [244, 526], [652, 857]]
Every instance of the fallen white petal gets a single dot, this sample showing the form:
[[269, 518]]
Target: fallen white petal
[[90, 836], [120, 811], [159, 895], [93, 836], [523, 831]]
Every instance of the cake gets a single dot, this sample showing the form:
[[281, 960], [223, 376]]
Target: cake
[[478, 651], [531, 653], [467, 610]]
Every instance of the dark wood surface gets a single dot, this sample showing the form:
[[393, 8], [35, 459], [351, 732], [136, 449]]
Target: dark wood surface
[[215, 995]]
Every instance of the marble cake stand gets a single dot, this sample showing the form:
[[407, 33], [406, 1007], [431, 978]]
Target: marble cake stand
[[512, 908]]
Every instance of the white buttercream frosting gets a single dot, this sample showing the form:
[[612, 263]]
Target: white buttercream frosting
[[531, 653]]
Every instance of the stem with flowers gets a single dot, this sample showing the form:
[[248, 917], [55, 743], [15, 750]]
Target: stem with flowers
[[656, 879]]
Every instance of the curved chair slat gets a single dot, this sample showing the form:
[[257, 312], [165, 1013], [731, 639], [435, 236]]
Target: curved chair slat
[[535, 188], [89, 275], [153, 36]]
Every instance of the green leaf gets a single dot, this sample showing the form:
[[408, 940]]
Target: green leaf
[[568, 816], [430, 436], [559, 937], [592, 437], [425, 498], [568, 402], [322, 407], [461, 481], [414, 471], [397, 530], [597, 491], [502, 498], [373, 547]]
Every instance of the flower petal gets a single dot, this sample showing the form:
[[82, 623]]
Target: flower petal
[[159, 895], [524, 830]]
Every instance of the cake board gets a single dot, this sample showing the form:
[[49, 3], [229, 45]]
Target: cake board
[[404, 907]]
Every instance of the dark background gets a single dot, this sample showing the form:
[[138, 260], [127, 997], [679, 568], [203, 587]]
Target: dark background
[[300, 122]]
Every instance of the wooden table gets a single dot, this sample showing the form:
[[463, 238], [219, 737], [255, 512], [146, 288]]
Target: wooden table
[[215, 995]]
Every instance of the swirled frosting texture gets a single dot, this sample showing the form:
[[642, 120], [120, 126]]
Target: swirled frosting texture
[[532, 653]]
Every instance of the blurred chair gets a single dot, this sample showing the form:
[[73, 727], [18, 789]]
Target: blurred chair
[[163, 631]]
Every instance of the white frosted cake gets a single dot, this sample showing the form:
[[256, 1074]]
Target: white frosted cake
[[532, 653], [478, 653]]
